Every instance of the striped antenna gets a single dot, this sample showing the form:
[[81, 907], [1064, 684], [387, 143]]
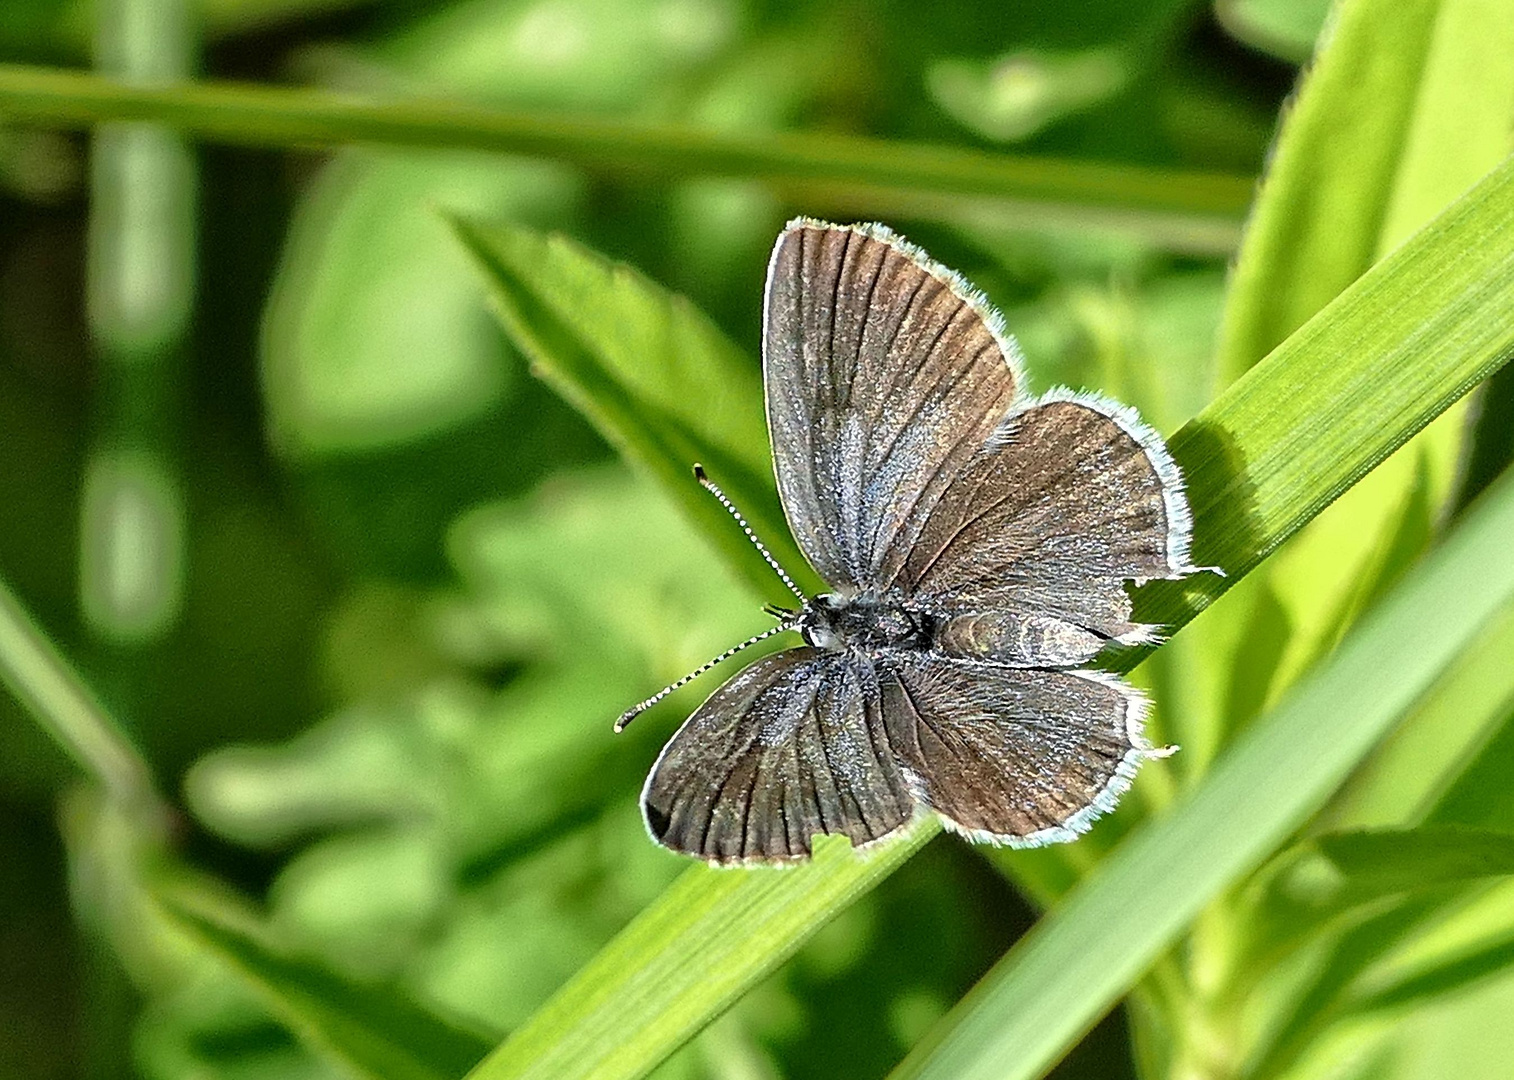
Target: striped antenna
[[730, 508], [636, 710]]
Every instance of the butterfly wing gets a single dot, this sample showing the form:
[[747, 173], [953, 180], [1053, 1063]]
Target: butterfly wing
[[1011, 756], [791, 746], [884, 374], [1072, 497]]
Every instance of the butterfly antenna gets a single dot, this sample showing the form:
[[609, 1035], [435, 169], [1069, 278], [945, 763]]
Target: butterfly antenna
[[730, 508], [636, 710]]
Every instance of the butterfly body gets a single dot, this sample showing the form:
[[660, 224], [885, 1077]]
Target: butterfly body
[[977, 543], [865, 623]]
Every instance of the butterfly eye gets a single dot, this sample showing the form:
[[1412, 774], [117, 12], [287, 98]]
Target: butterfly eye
[[821, 637]]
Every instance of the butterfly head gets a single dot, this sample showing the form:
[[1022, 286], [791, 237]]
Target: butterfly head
[[821, 622]]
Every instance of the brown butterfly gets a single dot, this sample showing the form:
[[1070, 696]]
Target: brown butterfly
[[976, 542]]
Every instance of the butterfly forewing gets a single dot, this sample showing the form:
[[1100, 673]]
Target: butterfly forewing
[[793, 745], [883, 378]]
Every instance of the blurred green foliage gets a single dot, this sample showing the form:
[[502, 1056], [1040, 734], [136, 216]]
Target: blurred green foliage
[[396, 585]]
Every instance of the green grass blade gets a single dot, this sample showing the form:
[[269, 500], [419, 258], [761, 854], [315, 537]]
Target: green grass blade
[[55, 694], [654, 374], [1077, 962], [1260, 462], [1348, 388], [1316, 224], [687, 958], [1445, 764], [1448, 974], [369, 1032], [1365, 865], [831, 171], [1406, 108]]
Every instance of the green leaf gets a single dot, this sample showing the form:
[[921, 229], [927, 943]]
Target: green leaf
[[346, 370], [1338, 870], [1078, 960], [1390, 354], [849, 174], [1284, 28], [369, 1031], [1381, 362], [1449, 973], [653, 373], [1316, 226], [1481, 794], [1381, 137], [1431, 113], [1448, 761]]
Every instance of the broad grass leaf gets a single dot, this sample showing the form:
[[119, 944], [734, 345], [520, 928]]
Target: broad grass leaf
[[1418, 98]]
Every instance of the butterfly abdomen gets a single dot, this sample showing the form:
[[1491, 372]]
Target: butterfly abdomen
[[1029, 640]]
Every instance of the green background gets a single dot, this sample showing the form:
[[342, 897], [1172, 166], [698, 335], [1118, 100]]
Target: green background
[[346, 409]]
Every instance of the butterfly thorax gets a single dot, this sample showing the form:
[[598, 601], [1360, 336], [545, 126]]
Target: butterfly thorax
[[833, 621]]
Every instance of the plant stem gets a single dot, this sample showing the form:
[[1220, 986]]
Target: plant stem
[[55, 694], [1194, 210]]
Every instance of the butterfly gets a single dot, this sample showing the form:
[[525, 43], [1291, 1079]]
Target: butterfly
[[976, 542]]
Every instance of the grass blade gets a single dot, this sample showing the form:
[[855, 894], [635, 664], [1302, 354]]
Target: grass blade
[[853, 174], [1451, 973], [685, 959], [1347, 389], [1073, 965], [52, 691], [1373, 863]]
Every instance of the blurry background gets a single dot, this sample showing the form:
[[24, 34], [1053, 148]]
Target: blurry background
[[368, 595]]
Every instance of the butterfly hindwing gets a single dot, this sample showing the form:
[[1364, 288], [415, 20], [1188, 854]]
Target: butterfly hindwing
[[1008, 755]]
